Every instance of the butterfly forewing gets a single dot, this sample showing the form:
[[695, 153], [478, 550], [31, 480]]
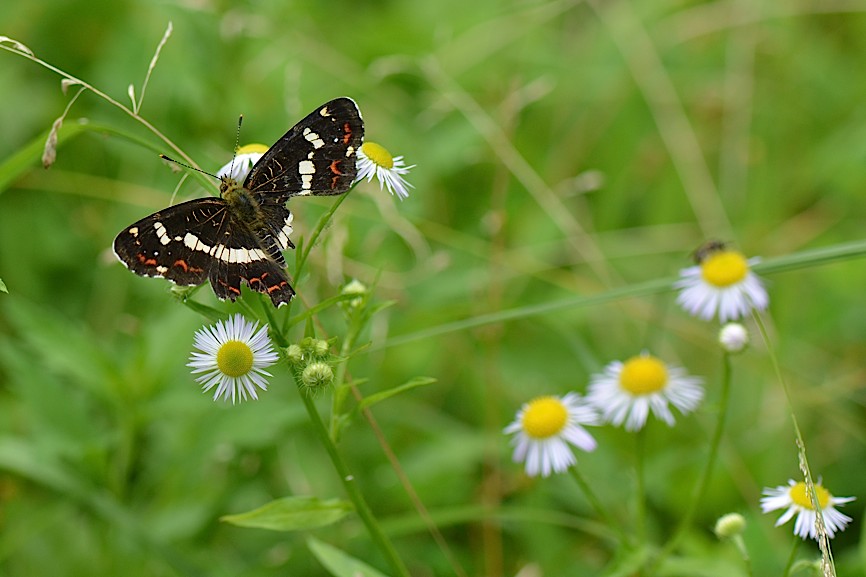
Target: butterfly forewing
[[240, 238], [159, 245], [317, 156]]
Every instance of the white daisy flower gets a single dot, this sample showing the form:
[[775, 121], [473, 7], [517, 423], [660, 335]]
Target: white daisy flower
[[796, 499], [626, 392], [375, 160], [245, 159], [233, 358], [721, 284], [543, 429]]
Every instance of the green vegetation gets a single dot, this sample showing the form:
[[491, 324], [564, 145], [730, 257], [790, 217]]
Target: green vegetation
[[570, 158]]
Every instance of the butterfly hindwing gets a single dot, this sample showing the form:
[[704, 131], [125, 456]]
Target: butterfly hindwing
[[316, 156], [235, 261]]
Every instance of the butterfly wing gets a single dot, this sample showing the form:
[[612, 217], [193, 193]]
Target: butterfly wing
[[201, 240], [234, 261], [158, 246], [317, 156]]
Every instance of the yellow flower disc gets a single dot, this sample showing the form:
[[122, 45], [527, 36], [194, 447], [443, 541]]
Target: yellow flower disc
[[724, 268], [800, 496], [235, 358], [544, 417], [643, 375], [250, 148], [378, 155]]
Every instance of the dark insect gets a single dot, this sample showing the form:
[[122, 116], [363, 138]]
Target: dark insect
[[707, 250], [241, 235]]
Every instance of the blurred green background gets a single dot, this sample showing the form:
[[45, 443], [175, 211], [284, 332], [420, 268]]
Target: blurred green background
[[562, 149]]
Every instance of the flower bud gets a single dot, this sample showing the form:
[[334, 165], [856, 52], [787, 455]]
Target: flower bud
[[730, 525], [317, 375], [734, 337]]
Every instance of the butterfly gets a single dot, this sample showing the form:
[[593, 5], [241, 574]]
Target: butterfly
[[240, 236]]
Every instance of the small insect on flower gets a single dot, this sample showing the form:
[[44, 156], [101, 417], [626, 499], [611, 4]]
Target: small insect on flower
[[721, 284], [245, 159], [375, 160], [626, 392], [795, 497], [544, 428], [233, 357]]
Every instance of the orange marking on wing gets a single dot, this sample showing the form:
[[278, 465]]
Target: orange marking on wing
[[182, 264], [237, 291], [276, 287], [347, 133]]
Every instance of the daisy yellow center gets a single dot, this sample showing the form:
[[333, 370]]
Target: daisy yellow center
[[378, 155], [544, 417], [250, 148], [643, 375], [235, 358], [800, 496], [724, 268]]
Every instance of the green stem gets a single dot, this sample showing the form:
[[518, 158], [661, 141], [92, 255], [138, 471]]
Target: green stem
[[594, 502], [792, 557], [317, 232], [341, 389], [740, 544], [640, 489], [354, 493], [704, 479]]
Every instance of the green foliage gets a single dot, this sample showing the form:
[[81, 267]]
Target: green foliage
[[338, 563], [570, 156], [292, 514]]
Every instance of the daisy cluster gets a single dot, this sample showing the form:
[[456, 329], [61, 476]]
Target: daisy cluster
[[624, 394], [720, 286]]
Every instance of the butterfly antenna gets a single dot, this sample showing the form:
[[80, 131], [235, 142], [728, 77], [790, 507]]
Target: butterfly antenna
[[237, 143], [179, 163]]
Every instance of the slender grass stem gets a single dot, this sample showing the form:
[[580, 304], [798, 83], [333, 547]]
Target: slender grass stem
[[823, 540], [130, 112]]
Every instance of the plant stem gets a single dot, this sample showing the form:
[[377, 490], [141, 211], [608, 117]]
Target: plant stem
[[792, 557], [704, 479], [354, 493], [640, 489], [596, 504]]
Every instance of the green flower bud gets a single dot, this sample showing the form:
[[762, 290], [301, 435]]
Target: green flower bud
[[730, 525], [317, 375]]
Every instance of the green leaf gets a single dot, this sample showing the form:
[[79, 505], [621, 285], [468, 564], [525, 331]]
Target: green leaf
[[29, 155], [3, 287], [338, 563], [208, 312], [292, 514], [382, 395]]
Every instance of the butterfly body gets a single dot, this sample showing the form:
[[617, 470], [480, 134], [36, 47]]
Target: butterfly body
[[239, 237]]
